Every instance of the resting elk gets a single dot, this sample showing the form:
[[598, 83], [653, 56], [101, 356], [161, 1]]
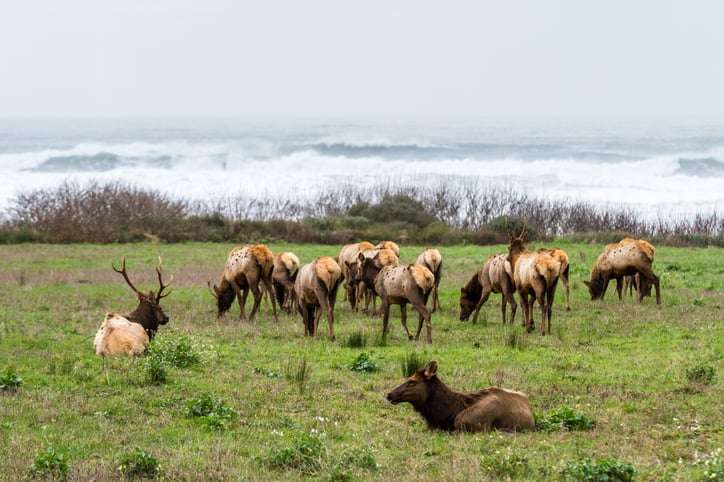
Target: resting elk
[[626, 258], [130, 334], [432, 260], [495, 276], [445, 409], [535, 274], [316, 291], [245, 268]]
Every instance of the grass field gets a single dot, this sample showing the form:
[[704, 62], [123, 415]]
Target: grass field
[[622, 364]]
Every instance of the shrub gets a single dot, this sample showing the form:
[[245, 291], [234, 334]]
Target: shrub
[[175, 352], [394, 208], [298, 371], [9, 380], [564, 418], [154, 369], [363, 363], [605, 470], [356, 340], [304, 453], [701, 374], [139, 464], [410, 363], [212, 412], [510, 225], [50, 464], [506, 465]]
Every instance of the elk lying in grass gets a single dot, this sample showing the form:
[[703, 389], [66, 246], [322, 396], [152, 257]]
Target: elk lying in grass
[[562, 258], [432, 260], [284, 273], [389, 245], [445, 409], [496, 276], [245, 268], [316, 291], [400, 285], [626, 258], [348, 262], [130, 334], [535, 274], [376, 259]]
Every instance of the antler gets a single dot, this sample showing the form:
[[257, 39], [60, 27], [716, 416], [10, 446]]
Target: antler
[[123, 272], [161, 286], [524, 231]]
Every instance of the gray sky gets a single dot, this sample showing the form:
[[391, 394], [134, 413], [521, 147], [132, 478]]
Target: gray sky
[[384, 59]]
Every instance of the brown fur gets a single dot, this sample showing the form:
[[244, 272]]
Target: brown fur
[[379, 259], [316, 290], [628, 257], [495, 276], [445, 409], [400, 285], [284, 273], [432, 260], [389, 245], [534, 274], [246, 267], [347, 260]]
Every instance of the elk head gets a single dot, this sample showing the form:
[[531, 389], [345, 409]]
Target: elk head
[[148, 313], [595, 287], [417, 388], [517, 244], [468, 302], [224, 295]]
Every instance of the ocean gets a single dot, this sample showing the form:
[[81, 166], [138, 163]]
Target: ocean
[[659, 169]]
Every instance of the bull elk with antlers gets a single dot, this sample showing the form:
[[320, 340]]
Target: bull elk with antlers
[[130, 334]]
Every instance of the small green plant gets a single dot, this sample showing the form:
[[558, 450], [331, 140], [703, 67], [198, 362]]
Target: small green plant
[[564, 418], [701, 374], [9, 380], [505, 465], [712, 465], [212, 412], [50, 464], [298, 371], [410, 363], [154, 369], [139, 464], [266, 372], [356, 340], [175, 352], [605, 470], [304, 453], [363, 363]]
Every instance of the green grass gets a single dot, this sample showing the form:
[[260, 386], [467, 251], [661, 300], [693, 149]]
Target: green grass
[[625, 365]]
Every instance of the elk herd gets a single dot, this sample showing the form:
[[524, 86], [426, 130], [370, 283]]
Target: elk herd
[[367, 272]]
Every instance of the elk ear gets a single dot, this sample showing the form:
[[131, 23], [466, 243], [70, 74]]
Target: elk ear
[[586, 282], [463, 290], [430, 369], [361, 257]]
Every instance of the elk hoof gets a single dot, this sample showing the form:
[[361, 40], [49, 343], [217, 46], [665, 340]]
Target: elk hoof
[[410, 337]]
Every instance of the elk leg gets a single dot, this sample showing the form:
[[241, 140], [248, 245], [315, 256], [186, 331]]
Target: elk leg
[[324, 305], [513, 308], [241, 298], [257, 299], [605, 286], [651, 278], [483, 298], [564, 278], [541, 298], [503, 306], [424, 318], [385, 316], [403, 320], [524, 304], [619, 288], [268, 288]]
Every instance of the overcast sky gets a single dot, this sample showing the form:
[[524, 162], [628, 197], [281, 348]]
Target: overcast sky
[[343, 59]]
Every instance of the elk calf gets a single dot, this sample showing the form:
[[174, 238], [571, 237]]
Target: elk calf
[[286, 266], [245, 268], [496, 276], [130, 334], [444, 409], [432, 260], [316, 291], [626, 258], [348, 262]]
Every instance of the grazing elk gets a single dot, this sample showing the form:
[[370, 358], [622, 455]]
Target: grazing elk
[[378, 259], [284, 274], [400, 285], [432, 260], [637, 284], [535, 274], [130, 334], [348, 262], [245, 268], [389, 245], [562, 258], [626, 258], [316, 291], [496, 276], [445, 409]]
